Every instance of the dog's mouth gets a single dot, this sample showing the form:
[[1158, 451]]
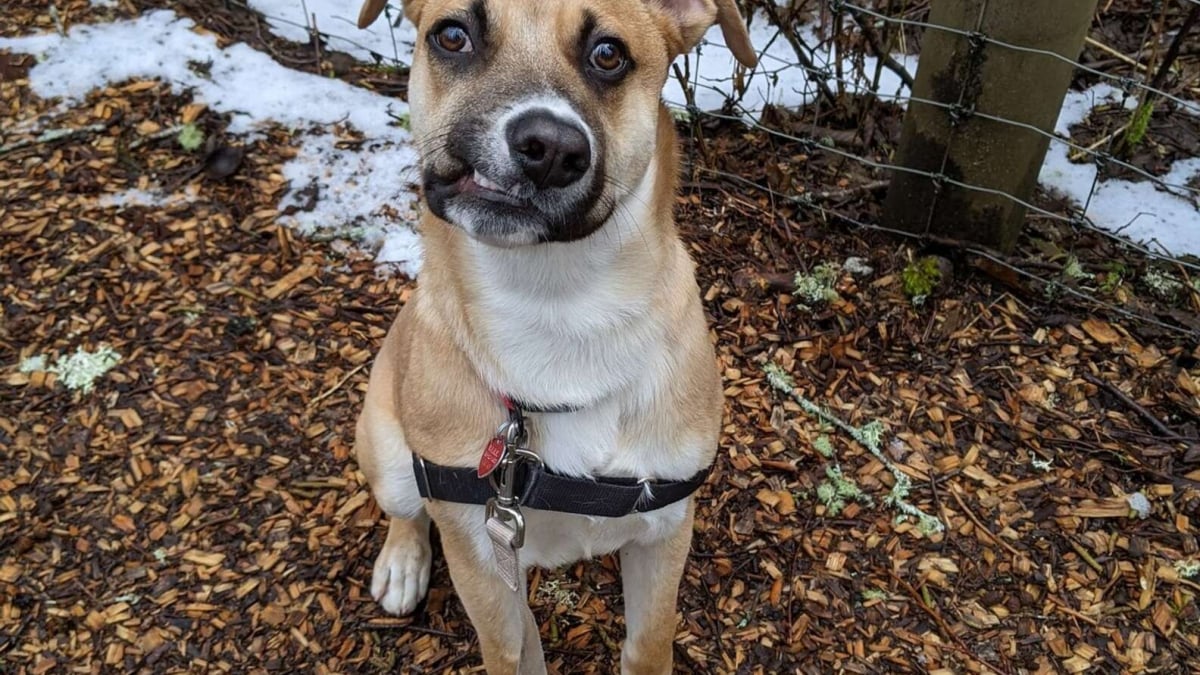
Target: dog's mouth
[[474, 182], [505, 212]]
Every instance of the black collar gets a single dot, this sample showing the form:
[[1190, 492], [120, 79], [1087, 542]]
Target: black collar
[[524, 407]]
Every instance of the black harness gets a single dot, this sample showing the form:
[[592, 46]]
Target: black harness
[[536, 486]]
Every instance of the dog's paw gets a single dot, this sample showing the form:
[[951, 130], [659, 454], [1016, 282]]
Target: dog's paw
[[401, 575]]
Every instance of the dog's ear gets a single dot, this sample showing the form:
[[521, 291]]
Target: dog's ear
[[693, 18], [371, 10]]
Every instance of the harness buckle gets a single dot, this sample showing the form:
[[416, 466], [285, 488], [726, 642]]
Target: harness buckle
[[511, 516]]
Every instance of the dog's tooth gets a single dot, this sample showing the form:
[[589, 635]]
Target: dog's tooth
[[486, 183]]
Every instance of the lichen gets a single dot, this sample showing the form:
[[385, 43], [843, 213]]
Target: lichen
[[1074, 270], [838, 490], [681, 114], [1163, 285], [858, 267], [33, 364], [79, 371], [1139, 505], [823, 445], [817, 287], [1187, 568], [551, 590]]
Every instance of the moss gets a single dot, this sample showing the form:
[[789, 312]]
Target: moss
[[874, 594], [1139, 124], [190, 137], [1115, 274], [402, 120], [921, 276]]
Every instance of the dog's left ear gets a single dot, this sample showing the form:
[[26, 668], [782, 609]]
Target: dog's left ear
[[693, 18], [371, 10]]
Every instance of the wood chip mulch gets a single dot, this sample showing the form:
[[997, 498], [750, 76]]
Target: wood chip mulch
[[200, 509]]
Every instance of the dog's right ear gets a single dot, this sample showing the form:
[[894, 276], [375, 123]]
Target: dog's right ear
[[371, 10], [693, 17]]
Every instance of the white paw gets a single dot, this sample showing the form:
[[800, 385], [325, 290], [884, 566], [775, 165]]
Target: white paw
[[401, 574]]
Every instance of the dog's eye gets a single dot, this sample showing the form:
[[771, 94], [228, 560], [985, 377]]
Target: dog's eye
[[454, 38], [608, 57]]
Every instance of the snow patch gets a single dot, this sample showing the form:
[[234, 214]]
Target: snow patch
[[339, 20], [357, 190], [778, 79], [139, 197], [1137, 210]]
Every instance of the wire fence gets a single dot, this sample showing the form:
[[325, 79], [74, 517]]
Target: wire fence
[[829, 43], [816, 55]]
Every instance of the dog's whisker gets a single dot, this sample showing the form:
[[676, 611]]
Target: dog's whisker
[[619, 205]]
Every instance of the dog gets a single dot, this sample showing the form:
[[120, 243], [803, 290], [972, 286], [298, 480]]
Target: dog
[[549, 392]]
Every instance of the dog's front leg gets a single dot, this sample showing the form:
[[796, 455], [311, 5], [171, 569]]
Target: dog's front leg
[[508, 634], [650, 575]]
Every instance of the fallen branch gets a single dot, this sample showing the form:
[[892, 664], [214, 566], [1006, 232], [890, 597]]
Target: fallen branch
[[56, 135], [846, 193], [1163, 430], [156, 136], [871, 438]]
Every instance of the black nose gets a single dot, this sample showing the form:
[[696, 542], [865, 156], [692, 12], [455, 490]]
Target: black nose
[[550, 151]]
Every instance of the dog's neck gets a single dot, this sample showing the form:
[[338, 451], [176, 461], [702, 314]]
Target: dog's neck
[[591, 308]]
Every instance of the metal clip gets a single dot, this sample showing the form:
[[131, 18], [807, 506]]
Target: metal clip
[[503, 519], [506, 506]]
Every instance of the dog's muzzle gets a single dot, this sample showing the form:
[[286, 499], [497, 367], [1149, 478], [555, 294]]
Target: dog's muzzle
[[528, 174]]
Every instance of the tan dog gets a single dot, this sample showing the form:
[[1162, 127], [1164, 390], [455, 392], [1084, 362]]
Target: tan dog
[[553, 275]]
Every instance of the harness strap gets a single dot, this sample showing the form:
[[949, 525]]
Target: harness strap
[[542, 489]]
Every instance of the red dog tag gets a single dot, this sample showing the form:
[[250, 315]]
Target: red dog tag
[[493, 452]]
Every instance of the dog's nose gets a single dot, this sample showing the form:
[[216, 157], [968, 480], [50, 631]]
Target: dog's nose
[[552, 152]]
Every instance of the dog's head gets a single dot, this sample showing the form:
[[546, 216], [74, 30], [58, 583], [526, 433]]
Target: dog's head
[[535, 119]]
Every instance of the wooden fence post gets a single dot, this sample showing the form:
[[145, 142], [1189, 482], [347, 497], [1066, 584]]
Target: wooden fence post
[[966, 73]]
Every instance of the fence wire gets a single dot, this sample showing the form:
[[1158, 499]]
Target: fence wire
[[817, 60], [844, 35]]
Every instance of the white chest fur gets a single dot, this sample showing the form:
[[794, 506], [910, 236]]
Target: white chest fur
[[567, 324]]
